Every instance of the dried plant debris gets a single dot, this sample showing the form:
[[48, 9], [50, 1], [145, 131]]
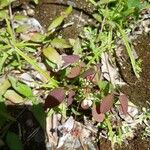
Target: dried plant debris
[[72, 135], [110, 71]]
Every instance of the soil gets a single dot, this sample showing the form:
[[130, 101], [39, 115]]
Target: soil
[[47, 10], [139, 90], [138, 143]]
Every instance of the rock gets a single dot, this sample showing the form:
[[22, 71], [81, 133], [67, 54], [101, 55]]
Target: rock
[[14, 97], [30, 12]]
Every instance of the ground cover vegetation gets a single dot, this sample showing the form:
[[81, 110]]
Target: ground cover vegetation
[[70, 77]]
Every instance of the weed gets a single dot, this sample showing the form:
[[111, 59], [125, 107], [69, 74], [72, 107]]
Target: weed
[[84, 80]]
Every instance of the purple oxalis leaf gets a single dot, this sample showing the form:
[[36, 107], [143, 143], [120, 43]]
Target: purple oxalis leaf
[[88, 72], [124, 103], [55, 97], [70, 97], [99, 117], [107, 103], [74, 72], [70, 59]]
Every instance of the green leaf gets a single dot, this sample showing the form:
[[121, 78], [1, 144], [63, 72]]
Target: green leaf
[[21, 88], [4, 115], [104, 2], [10, 30], [23, 28], [129, 51], [56, 22], [2, 61], [19, 17], [51, 64], [75, 112], [63, 109], [77, 47], [3, 14], [52, 55], [133, 3], [60, 43], [104, 87], [13, 141], [4, 3], [38, 37], [68, 11], [4, 86], [39, 114], [97, 17], [30, 49], [14, 97]]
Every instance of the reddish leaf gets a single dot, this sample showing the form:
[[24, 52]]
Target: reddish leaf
[[99, 117], [70, 59], [124, 103], [70, 97], [74, 72], [88, 72], [55, 97], [107, 103]]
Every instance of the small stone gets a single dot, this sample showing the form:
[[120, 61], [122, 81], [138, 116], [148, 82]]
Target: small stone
[[147, 30], [86, 104], [30, 12]]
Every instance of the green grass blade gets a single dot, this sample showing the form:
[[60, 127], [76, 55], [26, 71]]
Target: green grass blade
[[129, 50], [36, 67]]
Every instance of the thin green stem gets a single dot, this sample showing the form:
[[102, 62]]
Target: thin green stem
[[109, 128], [31, 61]]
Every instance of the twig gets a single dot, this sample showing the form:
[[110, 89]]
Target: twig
[[102, 25], [107, 65], [32, 135], [11, 19]]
